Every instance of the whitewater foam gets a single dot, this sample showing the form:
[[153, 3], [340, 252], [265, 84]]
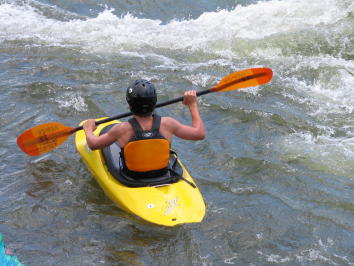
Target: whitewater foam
[[71, 100], [107, 32], [324, 152]]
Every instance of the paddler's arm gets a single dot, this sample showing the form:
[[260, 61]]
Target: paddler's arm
[[196, 131], [97, 142]]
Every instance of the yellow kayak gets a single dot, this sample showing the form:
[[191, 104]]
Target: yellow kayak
[[162, 200]]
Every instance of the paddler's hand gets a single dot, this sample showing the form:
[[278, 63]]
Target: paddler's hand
[[190, 98], [89, 125]]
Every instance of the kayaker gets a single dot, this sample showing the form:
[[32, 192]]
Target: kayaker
[[145, 139]]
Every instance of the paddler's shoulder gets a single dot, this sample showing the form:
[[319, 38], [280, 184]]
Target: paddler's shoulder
[[121, 127], [167, 119], [168, 122]]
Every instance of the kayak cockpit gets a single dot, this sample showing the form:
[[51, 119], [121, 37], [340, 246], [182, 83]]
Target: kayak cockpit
[[112, 159]]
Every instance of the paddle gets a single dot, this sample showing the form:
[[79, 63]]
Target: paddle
[[43, 138]]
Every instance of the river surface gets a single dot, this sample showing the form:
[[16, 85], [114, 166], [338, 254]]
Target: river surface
[[277, 166]]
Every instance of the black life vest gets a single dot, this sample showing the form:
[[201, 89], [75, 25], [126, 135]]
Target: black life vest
[[147, 153]]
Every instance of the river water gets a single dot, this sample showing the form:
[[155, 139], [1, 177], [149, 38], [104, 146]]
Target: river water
[[277, 166]]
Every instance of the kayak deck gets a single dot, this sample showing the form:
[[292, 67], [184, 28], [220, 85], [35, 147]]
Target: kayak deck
[[166, 205]]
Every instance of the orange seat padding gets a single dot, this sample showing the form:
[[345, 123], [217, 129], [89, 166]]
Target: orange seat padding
[[147, 155]]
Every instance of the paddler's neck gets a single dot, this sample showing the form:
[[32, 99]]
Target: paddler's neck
[[144, 121], [143, 118]]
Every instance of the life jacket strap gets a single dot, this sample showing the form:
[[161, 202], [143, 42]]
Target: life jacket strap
[[138, 130], [175, 175]]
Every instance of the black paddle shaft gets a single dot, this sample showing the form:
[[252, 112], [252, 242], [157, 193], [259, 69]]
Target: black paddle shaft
[[176, 100]]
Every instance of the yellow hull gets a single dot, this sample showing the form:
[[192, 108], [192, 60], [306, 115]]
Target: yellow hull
[[167, 205]]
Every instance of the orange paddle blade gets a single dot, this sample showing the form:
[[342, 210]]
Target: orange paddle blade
[[43, 138], [245, 78]]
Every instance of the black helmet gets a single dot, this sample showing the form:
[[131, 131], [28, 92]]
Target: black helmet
[[141, 97]]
